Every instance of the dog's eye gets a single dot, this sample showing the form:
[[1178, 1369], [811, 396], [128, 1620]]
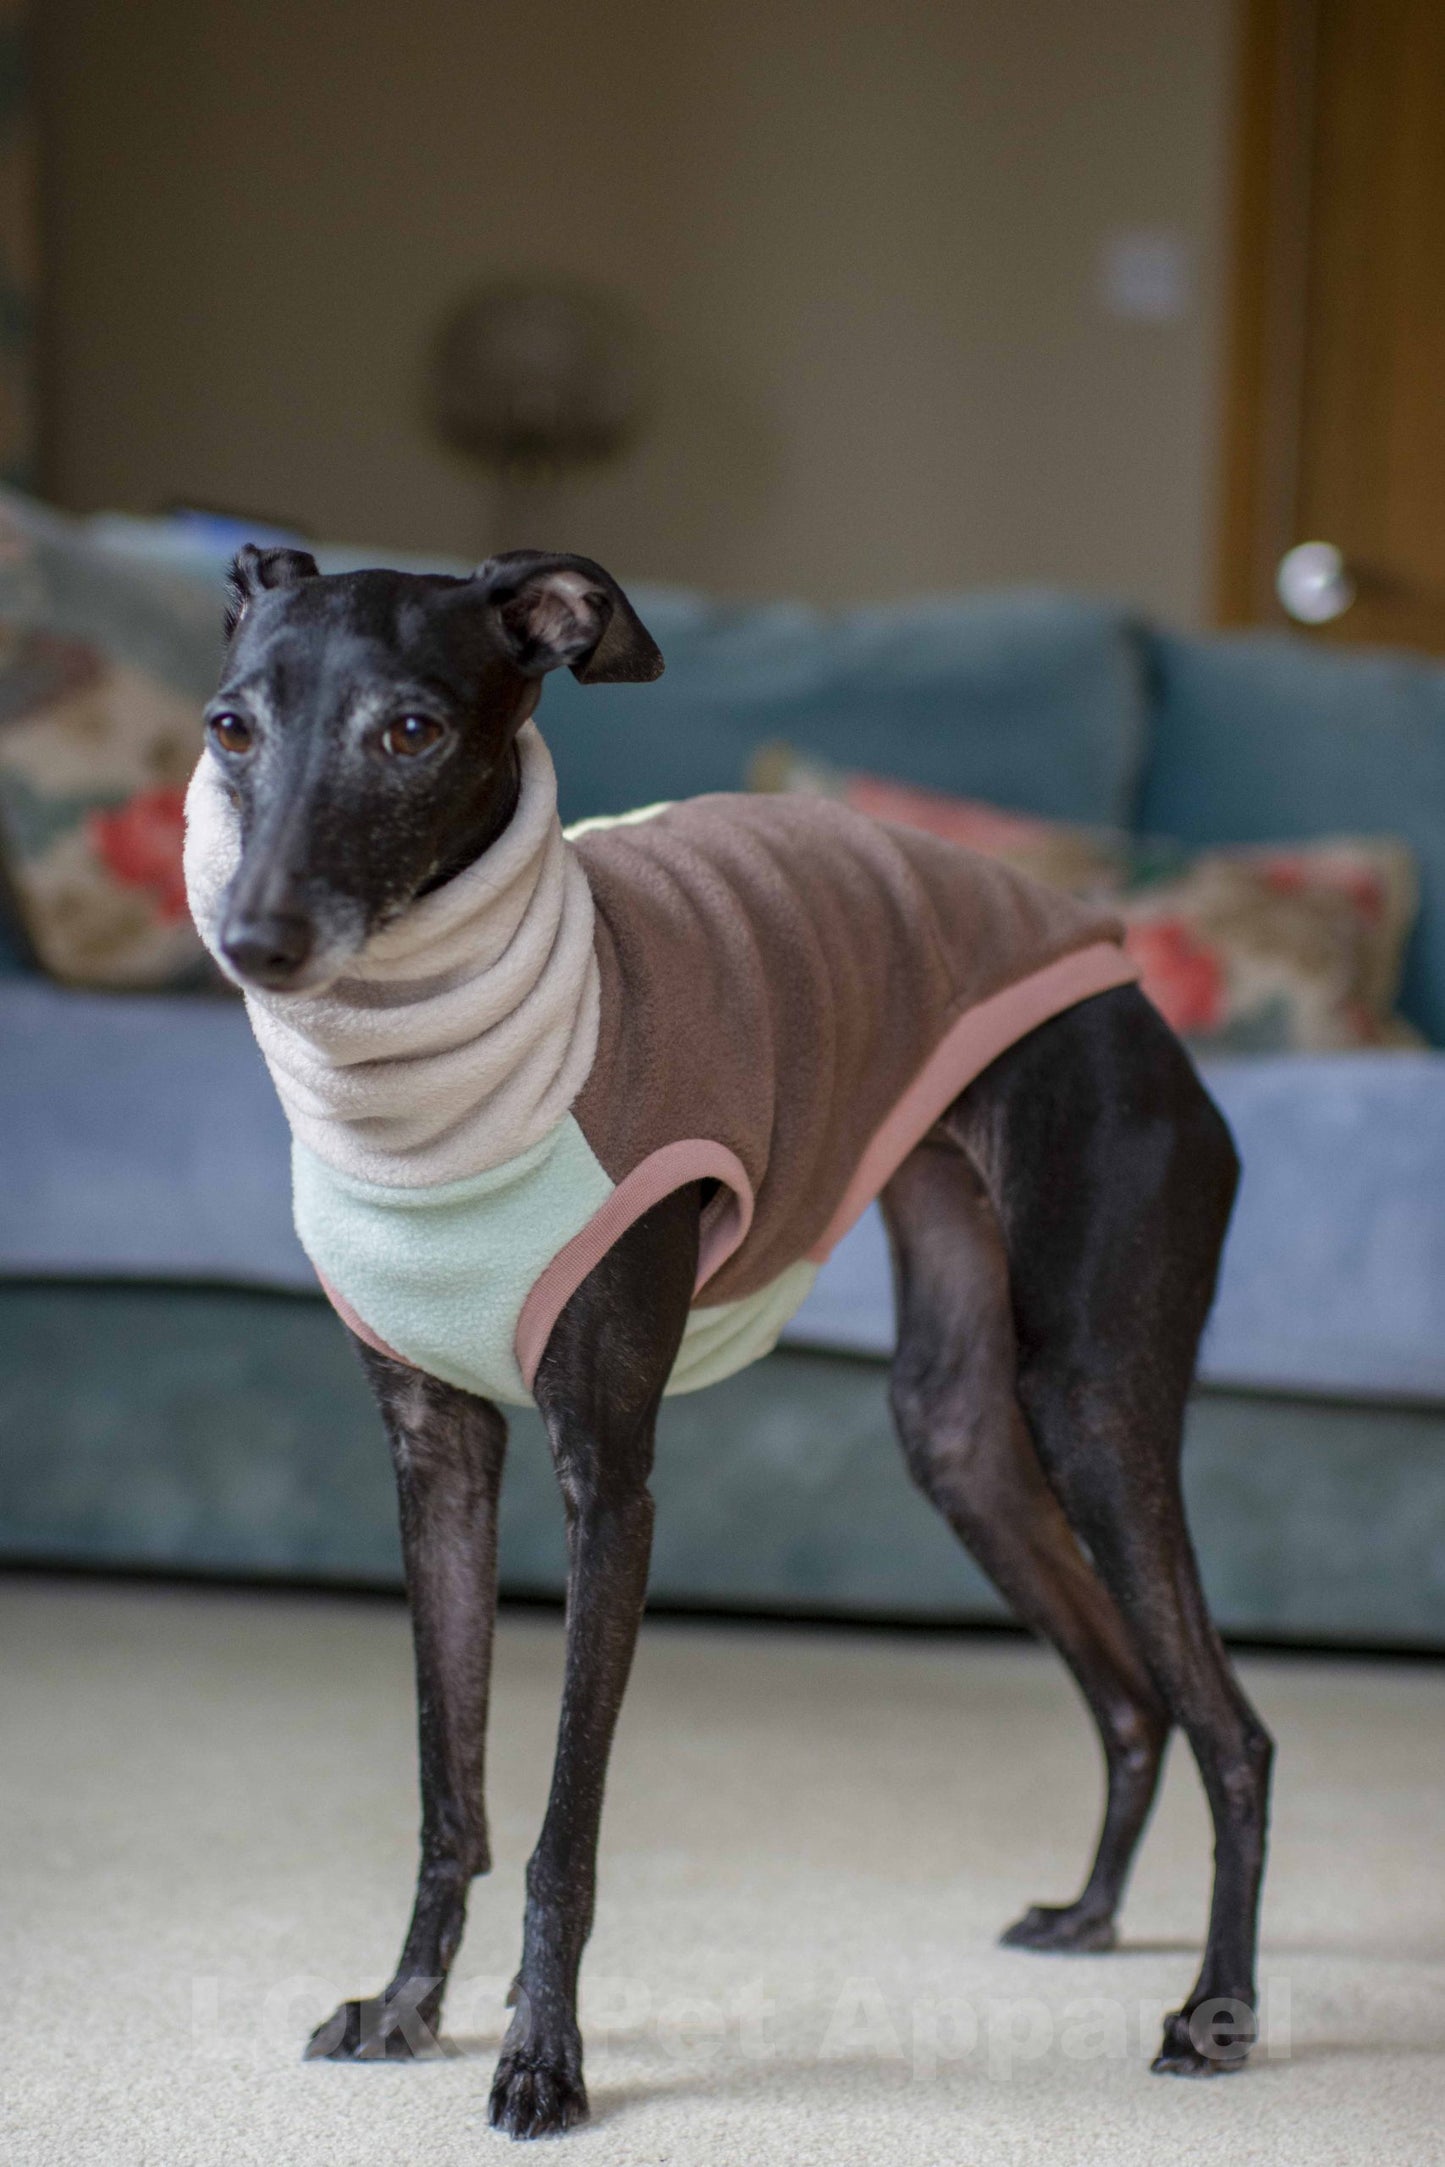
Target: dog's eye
[[409, 735], [231, 733]]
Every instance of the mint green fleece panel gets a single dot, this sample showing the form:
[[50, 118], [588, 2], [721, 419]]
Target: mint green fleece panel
[[725, 1338], [441, 1274]]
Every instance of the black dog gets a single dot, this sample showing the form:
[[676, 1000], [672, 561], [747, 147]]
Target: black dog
[[1056, 1238]]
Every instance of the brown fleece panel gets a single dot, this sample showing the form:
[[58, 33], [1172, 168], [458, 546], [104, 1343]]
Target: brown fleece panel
[[775, 972]]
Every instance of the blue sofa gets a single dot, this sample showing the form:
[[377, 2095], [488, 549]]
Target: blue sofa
[[173, 1394]]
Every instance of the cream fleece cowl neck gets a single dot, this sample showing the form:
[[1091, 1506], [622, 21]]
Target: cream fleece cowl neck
[[460, 1034]]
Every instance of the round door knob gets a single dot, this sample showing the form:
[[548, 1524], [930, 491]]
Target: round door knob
[[1313, 583]]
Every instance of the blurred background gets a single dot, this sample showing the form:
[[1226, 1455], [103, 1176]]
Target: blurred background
[[931, 297], [1023, 420]]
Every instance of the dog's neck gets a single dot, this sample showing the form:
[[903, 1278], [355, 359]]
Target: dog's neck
[[461, 1033]]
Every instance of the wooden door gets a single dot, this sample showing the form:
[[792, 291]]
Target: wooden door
[[1335, 419]]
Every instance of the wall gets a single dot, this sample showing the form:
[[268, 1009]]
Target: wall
[[864, 238]]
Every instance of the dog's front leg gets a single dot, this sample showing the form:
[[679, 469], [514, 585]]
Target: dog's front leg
[[448, 1449], [598, 1386]]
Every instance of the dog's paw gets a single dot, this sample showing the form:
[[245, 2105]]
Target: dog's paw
[[391, 2028], [536, 2095], [1060, 1930], [1211, 2041]]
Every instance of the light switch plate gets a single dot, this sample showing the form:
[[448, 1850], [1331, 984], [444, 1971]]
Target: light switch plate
[[1144, 274]]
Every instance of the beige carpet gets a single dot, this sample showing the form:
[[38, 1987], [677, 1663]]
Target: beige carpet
[[206, 1816]]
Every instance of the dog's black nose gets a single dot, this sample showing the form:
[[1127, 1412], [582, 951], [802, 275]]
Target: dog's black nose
[[268, 951]]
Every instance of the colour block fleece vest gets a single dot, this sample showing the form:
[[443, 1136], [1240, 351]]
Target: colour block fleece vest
[[775, 995]]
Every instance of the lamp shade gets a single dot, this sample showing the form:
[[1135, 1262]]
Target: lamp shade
[[534, 376]]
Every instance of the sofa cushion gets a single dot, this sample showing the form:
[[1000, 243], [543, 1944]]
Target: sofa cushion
[[1032, 700], [157, 616], [1263, 737], [1291, 948], [103, 666], [1333, 1278], [94, 761], [141, 1138], [1276, 950]]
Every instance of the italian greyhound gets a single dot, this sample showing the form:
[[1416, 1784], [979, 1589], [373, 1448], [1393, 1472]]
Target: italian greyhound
[[1055, 1237]]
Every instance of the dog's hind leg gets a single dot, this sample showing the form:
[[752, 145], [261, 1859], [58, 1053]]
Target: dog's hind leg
[[598, 1385], [1112, 1174], [967, 1446], [448, 1449]]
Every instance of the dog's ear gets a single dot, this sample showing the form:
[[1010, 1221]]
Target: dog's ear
[[253, 570], [552, 610]]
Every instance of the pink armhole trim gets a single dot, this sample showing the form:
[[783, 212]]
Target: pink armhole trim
[[724, 1230], [349, 1317], [979, 1036]]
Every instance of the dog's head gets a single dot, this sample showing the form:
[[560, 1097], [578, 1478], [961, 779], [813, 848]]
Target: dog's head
[[365, 728]]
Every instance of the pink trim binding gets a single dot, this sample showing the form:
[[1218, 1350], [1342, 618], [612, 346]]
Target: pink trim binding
[[348, 1316], [979, 1036], [691, 1159]]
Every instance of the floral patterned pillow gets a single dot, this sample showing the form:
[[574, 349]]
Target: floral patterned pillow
[[1290, 948], [1294, 948], [94, 759], [1086, 861]]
